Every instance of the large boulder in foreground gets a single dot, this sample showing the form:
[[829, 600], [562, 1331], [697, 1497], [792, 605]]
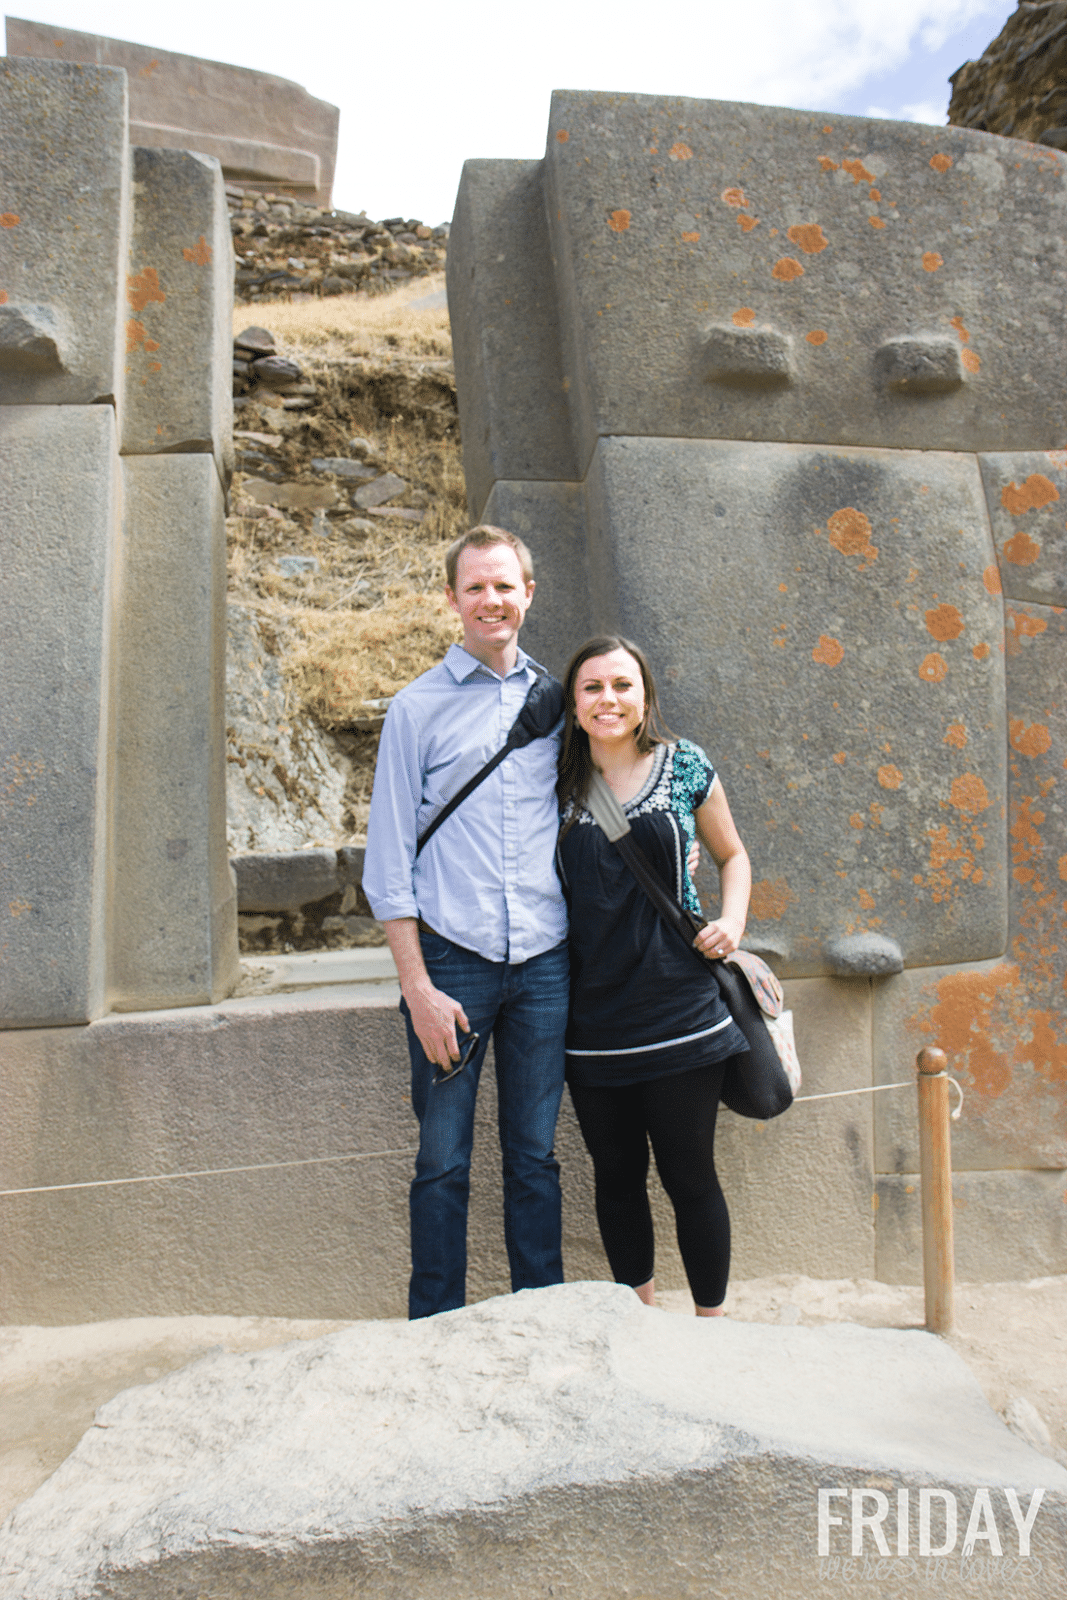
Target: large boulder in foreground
[[562, 1441]]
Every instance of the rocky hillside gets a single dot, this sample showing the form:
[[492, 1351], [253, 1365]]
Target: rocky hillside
[[284, 247], [348, 489], [1019, 85]]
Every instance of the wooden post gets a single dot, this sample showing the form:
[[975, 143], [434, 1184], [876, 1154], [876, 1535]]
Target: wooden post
[[935, 1166]]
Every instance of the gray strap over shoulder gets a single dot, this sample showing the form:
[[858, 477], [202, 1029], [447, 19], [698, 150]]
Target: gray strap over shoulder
[[605, 809]]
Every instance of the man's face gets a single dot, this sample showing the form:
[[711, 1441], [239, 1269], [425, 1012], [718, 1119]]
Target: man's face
[[490, 597]]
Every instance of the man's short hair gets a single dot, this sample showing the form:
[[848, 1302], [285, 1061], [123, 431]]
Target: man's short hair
[[481, 538]]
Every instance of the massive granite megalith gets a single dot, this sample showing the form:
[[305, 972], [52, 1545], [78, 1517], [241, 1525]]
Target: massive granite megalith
[[780, 394], [116, 274]]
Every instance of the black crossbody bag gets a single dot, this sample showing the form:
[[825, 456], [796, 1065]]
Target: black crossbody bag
[[541, 710], [755, 1084]]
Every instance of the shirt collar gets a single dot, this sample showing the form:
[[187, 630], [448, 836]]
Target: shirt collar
[[462, 665]]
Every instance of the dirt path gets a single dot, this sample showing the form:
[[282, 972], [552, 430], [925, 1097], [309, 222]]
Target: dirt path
[[1012, 1335]]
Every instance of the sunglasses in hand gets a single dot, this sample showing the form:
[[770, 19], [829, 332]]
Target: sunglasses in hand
[[466, 1053]]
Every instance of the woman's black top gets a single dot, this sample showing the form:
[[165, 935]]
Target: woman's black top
[[643, 1002]]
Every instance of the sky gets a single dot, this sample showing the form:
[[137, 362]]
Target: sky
[[423, 85]]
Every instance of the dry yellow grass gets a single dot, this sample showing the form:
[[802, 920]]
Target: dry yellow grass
[[343, 661], [358, 324]]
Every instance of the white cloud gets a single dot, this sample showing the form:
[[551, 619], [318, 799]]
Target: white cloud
[[925, 111], [425, 84]]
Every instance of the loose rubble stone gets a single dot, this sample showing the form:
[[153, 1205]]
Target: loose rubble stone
[[293, 496], [297, 566], [342, 468], [564, 1439], [257, 340], [277, 371], [387, 487]]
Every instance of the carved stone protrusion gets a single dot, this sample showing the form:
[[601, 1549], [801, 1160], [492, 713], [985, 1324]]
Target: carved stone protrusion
[[919, 364], [748, 358], [32, 339], [863, 955]]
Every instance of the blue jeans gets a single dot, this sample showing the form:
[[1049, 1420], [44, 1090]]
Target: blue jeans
[[524, 1008]]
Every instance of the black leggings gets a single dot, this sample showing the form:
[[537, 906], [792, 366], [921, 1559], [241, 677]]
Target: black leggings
[[677, 1114]]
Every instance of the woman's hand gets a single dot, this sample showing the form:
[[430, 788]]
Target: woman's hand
[[719, 938]]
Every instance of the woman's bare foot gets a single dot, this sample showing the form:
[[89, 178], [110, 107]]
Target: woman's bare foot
[[646, 1292]]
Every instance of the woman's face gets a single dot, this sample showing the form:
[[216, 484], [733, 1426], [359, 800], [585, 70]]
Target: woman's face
[[609, 697]]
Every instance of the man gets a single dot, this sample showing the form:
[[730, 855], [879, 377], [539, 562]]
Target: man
[[476, 924]]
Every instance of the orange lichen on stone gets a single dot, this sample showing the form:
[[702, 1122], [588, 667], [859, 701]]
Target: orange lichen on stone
[[733, 197], [828, 651], [1021, 550], [964, 333], [619, 221], [827, 164], [817, 336], [931, 261], [941, 163], [680, 152], [956, 734], [876, 222], [969, 794], [856, 820], [850, 532], [3, 297], [690, 238], [1034, 740], [972, 362], [866, 900], [744, 318], [135, 335], [200, 254], [786, 269], [1061, 868], [972, 1006], [9, 219], [841, 757], [859, 172], [562, 136], [771, 899], [991, 579], [890, 777], [933, 668], [143, 288], [944, 622], [746, 224], [1037, 492], [875, 195], [1019, 625], [807, 236]]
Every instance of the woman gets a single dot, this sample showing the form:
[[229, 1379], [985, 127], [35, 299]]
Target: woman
[[649, 1033]]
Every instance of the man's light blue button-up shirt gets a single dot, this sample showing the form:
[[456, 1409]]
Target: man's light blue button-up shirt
[[487, 879]]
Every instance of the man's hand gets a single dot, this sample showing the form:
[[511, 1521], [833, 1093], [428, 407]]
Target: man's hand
[[434, 1016]]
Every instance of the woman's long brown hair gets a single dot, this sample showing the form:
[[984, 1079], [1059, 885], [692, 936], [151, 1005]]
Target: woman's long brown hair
[[575, 760]]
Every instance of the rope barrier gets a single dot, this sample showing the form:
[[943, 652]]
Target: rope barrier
[[876, 1088], [207, 1172], [373, 1155]]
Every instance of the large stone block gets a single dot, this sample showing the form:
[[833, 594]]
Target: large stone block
[[320, 1072], [550, 517], [1027, 495], [1006, 1225], [820, 620], [514, 409], [61, 527], [819, 1153], [174, 921], [266, 131], [985, 1016], [567, 1441], [64, 236], [746, 272], [179, 305]]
